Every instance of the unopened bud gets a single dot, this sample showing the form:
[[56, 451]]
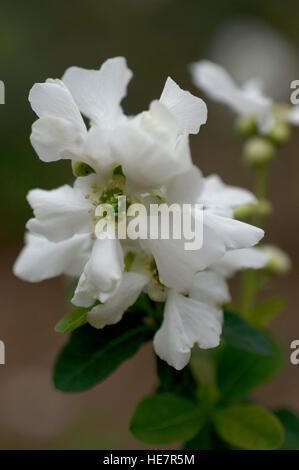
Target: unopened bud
[[279, 262], [246, 126], [248, 211], [258, 151], [81, 169], [280, 132]]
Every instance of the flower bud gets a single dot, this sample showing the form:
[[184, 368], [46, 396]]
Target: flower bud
[[279, 262], [81, 169], [248, 211], [246, 126], [280, 132], [258, 151]]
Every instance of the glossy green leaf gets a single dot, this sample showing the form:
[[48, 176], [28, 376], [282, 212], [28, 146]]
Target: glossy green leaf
[[290, 422], [240, 371], [242, 335], [249, 427], [163, 418], [91, 354]]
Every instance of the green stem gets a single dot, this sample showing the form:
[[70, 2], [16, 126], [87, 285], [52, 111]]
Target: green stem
[[250, 287], [250, 279], [261, 180]]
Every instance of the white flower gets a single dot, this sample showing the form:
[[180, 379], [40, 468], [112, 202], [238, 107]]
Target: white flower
[[186, 320], [221, 232], [60, 131], [152, 150], [64, 220], [63, 228], [152, 147], [247, 100]]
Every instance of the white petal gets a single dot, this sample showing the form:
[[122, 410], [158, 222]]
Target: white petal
[[236, 260], [210, 287], [186, 321], [59, 213], [98, 148], [217, 83], [190, 111], [218, 194], [233, 233], [186, 187], [177, 266], [293, 115], [214, 80], [146, 163], [126, 295], [41, 259], [98, 93], [53, 99], [56, 138], [102, 273]]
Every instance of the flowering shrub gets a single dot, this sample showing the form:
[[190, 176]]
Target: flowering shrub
[[127, 291]]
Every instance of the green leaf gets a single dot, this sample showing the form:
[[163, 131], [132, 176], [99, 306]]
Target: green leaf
[[91, 354], [265, 311], [240, 371], [72, 320], [239, 333], [249, 427], [163, 418], [180, 382], [290, 422], [206, 439]]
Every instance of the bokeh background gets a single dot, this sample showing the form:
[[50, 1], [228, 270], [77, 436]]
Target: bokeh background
[[41, 39]]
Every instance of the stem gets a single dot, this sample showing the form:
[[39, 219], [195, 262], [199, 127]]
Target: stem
[[261, 180], [250, 279], [250, 287]]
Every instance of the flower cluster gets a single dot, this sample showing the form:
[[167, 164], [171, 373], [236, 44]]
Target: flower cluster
[[145, 158]]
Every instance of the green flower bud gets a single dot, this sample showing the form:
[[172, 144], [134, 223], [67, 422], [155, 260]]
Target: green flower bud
[[248, 211], [81, 169], [258, 151], [280, 132], [246, 126], [279, 262]]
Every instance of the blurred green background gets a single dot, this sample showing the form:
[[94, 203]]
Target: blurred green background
[[41, 39]]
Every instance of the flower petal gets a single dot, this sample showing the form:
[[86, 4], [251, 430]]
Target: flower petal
[[59, 213], [145, 162], [218, 194], [237, 260], [41, 259], [176, 265], [233, 233], [102, 273], [186, 321], [210, 287], [190, 111], [55, 138], [293, 115], [53, 99], [186, 187], [126, 295], [217, 83], [98, 93]]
